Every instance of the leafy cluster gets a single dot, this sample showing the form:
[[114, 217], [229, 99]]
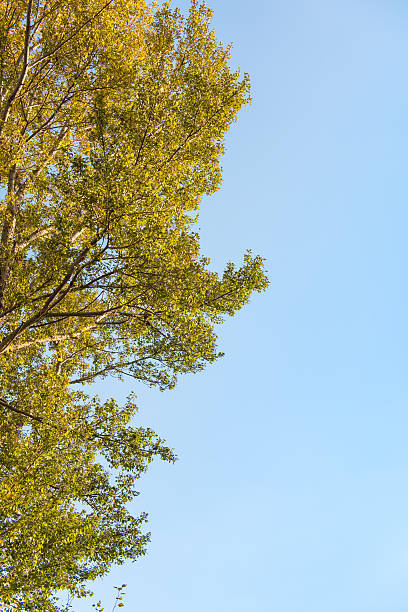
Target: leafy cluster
[[112, 120]]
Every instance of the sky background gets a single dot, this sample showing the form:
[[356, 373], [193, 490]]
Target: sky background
[[291, 492]]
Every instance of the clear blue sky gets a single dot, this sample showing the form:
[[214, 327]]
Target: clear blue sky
[[291, 493]]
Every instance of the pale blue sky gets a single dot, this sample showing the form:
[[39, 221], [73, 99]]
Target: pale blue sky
[[291, 493]]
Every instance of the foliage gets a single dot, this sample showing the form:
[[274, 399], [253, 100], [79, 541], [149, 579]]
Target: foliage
[[112, 120], [64, 493]]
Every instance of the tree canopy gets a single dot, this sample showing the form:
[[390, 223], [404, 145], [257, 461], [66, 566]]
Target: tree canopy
[[112, 122]]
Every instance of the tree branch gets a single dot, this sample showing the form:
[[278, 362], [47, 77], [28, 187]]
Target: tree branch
[[24, 70], [19, 411]]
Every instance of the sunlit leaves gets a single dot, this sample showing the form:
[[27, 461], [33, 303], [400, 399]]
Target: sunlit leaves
[[112, 123]]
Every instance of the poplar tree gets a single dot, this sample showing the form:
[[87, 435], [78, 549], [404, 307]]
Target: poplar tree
[[112, 123]]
